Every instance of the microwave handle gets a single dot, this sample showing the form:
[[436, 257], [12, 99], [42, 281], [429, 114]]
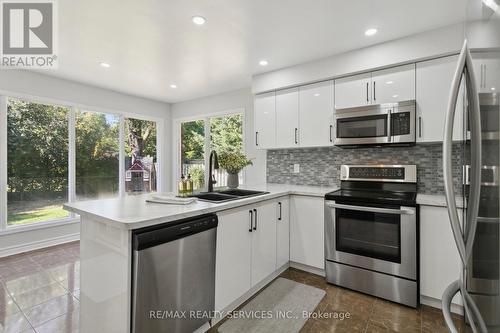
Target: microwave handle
[[389, 127]]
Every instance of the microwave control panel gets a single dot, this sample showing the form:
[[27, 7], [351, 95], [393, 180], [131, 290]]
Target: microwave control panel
[[400, 123]]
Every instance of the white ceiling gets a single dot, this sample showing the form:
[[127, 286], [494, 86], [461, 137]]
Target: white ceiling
[[151, 44]]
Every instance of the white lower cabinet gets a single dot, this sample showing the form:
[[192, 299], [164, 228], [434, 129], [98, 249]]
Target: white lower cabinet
[[307, 231], [439, 259], [233, 255], [246, 249], [263, 241], [283, 232]]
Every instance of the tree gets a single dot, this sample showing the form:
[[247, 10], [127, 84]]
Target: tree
[[193, 140], [141, 136]]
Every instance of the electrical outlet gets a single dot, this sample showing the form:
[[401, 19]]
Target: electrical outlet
[[296, 168]]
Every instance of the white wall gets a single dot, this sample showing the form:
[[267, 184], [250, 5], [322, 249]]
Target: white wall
[[440, 42], [44, 87], [242, 98]]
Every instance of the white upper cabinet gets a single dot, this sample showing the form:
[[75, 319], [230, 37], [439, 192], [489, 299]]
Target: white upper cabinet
[[316, 106], [287, 118], [434, 79], [353, 91], [393, 84], [487, 71], [384, 86], [265, 120]]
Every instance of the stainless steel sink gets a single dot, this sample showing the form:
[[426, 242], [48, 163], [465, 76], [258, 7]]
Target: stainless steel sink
[[227, 195]]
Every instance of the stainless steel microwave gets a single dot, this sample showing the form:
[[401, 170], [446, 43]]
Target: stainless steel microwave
[[391, 123]]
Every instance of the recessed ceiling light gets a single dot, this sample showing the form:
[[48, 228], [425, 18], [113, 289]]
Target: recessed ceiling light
[[316, 95], [493, 88], [395, 96], [263, 62], [389, 82], [492, 4], [198, 20], [104, 64], [173, 86], [371, 32]]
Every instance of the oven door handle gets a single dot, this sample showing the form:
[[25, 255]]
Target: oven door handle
[[372, 209]]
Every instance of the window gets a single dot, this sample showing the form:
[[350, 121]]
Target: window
[[97, 155], [52, 154], [224, 134], [140, 156], [37, 162], [193, 151]]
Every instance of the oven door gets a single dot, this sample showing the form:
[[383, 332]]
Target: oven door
[[362, 127], [374, 237]]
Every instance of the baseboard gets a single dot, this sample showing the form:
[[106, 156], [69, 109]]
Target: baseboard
[[26, 247], [234, 305], [307, 268], [436, 303]]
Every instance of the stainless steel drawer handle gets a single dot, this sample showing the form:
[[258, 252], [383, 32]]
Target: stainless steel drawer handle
[[372, 209]]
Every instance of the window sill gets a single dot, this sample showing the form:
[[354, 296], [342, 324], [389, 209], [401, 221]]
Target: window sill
[[39, 225]]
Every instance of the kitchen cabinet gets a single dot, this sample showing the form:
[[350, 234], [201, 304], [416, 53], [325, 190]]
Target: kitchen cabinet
[[287, 118], [246, 250], [263, 241], [487, 71], [282, 232], [233, 255], [393, 84], [434, 79], [265, 120], [353, 91], [316, 104], [440, 262], [385, 86], [307, 231]]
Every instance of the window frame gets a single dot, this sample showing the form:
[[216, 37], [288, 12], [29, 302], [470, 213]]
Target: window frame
[[176, 139], [71, 121]]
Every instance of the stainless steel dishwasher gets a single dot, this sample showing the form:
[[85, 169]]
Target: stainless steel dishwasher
[[174, 275]]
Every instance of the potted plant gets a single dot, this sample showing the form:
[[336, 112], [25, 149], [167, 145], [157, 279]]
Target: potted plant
[[233, 163]]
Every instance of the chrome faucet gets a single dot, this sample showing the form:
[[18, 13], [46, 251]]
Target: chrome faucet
[[213, 162]]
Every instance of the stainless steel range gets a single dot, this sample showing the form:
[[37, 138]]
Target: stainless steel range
[[371, 232]]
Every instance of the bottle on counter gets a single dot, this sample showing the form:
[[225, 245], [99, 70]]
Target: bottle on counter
[[182, 186], [189, 185]]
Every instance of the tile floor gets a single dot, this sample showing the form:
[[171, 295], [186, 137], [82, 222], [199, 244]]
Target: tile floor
[[39, 292]]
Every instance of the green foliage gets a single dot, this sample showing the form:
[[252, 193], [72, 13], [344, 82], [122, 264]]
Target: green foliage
[[226, 133], [140, 136], [193, 140], [197, 175], [233, 162]]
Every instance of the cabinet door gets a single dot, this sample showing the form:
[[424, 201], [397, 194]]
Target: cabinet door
[[263, 241], [265, 121], [353, 91], [233, 255], [287, 118], [307, 231], [315, 114], [487, 71], [433, 89], [393, 84], [439, 259], [283, 232]]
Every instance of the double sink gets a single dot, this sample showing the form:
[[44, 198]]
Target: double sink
[[227, 195]]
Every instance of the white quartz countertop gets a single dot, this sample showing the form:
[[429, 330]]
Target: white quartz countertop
[[133, 212], [437, 200]]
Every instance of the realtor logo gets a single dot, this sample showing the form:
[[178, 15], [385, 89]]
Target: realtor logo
[[28, 34]]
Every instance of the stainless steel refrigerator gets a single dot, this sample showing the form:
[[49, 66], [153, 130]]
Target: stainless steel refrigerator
[[476, 180]]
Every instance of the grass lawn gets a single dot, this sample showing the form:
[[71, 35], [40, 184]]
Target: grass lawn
[[36, 211]]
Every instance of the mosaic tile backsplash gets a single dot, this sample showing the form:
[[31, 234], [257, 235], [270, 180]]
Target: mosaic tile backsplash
[[321, 166]]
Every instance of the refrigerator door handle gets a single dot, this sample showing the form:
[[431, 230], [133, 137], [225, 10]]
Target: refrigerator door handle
[[464, 240]]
